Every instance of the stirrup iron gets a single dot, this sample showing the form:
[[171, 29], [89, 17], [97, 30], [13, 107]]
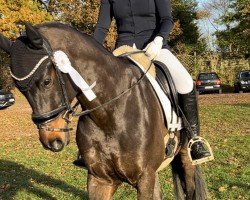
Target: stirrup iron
[[206, 145]]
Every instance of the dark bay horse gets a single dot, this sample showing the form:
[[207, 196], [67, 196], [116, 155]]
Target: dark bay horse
[[119, 142]]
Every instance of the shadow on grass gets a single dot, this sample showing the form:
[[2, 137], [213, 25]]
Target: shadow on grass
[[15, 177]]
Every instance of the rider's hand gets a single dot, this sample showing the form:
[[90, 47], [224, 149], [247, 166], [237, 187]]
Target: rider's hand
[[154, 47]]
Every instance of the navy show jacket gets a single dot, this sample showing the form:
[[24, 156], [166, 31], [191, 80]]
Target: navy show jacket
[[138, 21]]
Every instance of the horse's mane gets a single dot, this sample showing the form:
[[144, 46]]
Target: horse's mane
[[68, 28], [93, 48], [84, 48]]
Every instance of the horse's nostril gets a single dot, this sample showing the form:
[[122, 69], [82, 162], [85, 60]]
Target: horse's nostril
[[56, 145]]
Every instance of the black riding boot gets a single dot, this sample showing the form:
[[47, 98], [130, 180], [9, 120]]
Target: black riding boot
[[188, 103]]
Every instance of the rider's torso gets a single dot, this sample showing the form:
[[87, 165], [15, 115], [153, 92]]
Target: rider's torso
[[136, 21]]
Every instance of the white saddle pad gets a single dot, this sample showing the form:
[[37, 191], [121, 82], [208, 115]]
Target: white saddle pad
[[174, 123]]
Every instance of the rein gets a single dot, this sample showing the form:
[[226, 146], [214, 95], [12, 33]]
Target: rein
[[85, 112]]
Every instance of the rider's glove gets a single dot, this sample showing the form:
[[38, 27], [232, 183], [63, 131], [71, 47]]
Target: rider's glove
[[154, 47]]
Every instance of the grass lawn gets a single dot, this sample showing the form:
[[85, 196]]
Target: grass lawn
[[27, 171]]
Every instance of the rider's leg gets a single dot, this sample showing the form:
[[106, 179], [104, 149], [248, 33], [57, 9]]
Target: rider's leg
[[188, 99], [182, 79], [188, 103]]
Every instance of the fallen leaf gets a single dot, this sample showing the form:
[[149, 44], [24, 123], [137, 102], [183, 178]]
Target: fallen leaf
[[222, 189], [234, 187]]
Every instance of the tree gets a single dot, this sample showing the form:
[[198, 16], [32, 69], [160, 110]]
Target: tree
[[12, 15], [14, 12], [185, 12], [79, 13], [235, 19]]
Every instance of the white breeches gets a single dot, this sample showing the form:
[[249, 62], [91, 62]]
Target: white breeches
[[182, 79]]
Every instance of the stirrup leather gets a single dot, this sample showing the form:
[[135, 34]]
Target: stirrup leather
[[206, 145]]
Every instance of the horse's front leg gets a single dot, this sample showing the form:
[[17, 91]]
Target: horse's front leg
[[195, 184], [100, 189], [157, 189], [148, 186]]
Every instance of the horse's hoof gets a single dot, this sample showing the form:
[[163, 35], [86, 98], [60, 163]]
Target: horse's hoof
[[79, 163]]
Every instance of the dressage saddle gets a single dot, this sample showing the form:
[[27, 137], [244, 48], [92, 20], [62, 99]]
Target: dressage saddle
[[165, 80]]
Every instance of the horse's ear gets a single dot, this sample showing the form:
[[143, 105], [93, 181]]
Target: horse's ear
[[5, 44], [34, 36]]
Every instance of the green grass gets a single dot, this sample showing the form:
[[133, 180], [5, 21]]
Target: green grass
[[27, 171], [227, 128]]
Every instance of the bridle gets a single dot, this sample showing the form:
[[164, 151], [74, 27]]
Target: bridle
[[66, 109], [42, 120]]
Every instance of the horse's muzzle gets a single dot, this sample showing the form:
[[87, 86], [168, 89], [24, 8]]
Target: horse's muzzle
[[54, 142], [54, 135]]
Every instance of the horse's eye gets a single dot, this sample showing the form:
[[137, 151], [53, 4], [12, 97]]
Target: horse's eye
[[47, 82]]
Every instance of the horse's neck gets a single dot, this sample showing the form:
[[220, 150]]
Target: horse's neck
[[111, 75], [94, 63]]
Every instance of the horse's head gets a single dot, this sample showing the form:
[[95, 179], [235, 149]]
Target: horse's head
[[42, 84]]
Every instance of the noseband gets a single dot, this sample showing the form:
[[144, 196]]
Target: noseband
[[46, 127]]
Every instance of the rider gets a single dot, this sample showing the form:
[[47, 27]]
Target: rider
[[147, 25]]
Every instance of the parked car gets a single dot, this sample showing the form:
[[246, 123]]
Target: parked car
[[6, 99], [242, 82], [208, 82]]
